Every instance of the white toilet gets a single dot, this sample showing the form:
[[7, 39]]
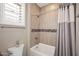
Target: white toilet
[[16, 51]]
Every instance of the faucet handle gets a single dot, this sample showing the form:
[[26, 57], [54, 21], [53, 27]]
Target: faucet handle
[[36, 38]]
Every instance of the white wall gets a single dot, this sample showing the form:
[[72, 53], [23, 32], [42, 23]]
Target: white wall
[[9, 36]]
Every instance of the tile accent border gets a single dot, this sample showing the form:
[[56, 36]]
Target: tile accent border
[[44, 30]]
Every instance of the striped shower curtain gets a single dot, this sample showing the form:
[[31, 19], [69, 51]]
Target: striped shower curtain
[[66, 33]]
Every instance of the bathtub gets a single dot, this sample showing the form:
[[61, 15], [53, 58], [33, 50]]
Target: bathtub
[[42, 50]]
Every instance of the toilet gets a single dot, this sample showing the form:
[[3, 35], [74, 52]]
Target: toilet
[[14, 51]]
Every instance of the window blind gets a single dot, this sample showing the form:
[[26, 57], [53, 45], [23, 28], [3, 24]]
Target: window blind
[[13, 11]]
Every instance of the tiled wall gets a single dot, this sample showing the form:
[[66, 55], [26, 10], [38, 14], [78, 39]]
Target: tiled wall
[[34, 24], [45, 24], [48, 20]]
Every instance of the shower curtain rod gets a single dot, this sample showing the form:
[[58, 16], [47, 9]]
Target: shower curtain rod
[[66, 4]]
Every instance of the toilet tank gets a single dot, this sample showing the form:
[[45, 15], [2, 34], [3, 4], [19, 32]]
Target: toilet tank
[[16, 51]]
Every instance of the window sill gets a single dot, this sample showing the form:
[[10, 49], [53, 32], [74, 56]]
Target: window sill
[[11, 26]]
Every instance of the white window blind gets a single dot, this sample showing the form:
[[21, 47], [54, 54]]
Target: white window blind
[[12, 12]]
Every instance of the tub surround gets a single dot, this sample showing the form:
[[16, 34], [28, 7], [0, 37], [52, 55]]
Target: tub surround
[[44, 24], [48, 20]]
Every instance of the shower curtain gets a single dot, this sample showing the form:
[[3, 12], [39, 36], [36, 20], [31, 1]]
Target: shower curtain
[[66, 33]]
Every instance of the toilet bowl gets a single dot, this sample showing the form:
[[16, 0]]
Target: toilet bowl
[[16, 51]]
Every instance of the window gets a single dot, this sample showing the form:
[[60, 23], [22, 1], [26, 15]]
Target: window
[[13, 13]]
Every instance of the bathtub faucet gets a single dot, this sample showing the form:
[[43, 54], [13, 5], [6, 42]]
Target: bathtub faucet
[[36, 40]]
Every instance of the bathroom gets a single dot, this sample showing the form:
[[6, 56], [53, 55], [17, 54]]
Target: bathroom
[[36, 29]]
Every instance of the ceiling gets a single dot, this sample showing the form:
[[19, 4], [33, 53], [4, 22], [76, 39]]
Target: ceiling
[[42, 4]]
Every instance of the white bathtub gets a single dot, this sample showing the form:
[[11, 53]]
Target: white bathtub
[[42, 50]]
